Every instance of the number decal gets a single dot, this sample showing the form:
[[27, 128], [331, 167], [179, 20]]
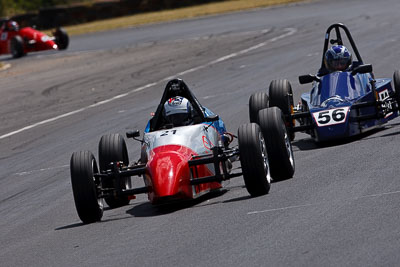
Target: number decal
[[323, 117], [383, 95], [4, 36], [338, 115], [331, 116], [165, 133]]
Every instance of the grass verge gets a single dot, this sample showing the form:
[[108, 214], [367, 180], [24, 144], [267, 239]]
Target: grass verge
[[171, 15]]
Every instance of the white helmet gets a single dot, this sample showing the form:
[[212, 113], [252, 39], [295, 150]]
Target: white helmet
[[177, 110]]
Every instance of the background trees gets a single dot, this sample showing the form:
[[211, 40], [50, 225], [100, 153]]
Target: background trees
[[12, 7]]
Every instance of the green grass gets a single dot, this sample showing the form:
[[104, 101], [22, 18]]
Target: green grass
[[171, 15]]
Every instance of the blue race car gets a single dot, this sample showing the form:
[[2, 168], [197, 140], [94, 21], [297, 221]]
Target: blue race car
[[346, 99]]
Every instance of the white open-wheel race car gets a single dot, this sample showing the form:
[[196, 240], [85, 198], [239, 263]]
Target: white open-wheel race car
[[182, 163]]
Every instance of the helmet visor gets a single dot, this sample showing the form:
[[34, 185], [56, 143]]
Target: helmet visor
[[178, 119], [339, 64]]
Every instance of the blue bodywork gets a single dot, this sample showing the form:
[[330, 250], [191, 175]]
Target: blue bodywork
[[344, 103], [334, 104]]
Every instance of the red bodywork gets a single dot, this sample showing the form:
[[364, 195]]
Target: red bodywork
[[34, 40], [168, 175]]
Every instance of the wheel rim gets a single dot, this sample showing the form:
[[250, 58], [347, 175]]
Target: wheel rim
[[265, 157], [99, 200], [289, 147]]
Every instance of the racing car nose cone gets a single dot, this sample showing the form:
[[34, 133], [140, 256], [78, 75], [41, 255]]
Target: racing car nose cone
[[169, 174]]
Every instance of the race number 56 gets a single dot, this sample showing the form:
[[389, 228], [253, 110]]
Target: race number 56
[[331, 116]]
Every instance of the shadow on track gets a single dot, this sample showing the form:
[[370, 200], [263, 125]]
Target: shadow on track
[[310, 144], [146, 209], [237, 199], [149, 210], [74, 225], [390, 126]]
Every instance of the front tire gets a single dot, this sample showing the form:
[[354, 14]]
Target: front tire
[[281, 96], [17, 46], [254, 159], [62, 39], [112, 148], [280, 153], [83, 166]]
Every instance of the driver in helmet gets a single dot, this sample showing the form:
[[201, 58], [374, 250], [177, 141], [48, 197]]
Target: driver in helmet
[[178, 111], [337, 58], [11, 25]]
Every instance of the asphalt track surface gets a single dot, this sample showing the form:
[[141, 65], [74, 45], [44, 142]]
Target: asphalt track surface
[[340, 209]]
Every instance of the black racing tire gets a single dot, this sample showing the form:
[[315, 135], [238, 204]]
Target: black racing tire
[[281, 96], [83, 166], [62, 38], [396, 82], [257, 102], [254, 159], [17, 46], [280, 153], [112, 148]]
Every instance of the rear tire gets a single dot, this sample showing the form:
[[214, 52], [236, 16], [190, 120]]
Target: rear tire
[[17, 46], [280, 153], [62, 38], [281, 96], [112, 148], [257, 102], [254, 159], [83, 166], [396, 82]]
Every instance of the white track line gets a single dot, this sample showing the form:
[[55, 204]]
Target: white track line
[[284, 208], [379, 195], [41, 170], [289, 31], [325, 202]]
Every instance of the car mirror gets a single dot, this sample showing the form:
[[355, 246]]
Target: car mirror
[[367, 68], [303, 79], [133, 134], [212, 118]]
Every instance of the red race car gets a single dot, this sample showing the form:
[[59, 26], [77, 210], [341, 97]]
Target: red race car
[[20, 41], [185, 153]]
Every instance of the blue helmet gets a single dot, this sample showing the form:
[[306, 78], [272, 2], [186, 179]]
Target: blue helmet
[[337, 58]]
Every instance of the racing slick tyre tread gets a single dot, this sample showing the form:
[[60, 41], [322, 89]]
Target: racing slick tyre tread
[[17, 46], [257, 102], [112, 148], [280, 153], [89, 207], [62, 39], [396, 81], [253, 159], [281, 96]]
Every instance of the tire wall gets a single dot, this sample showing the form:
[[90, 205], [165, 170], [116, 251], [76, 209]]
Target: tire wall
[[69, 15]]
